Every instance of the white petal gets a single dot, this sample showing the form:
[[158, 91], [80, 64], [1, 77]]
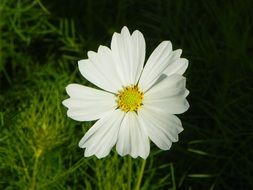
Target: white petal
[[156, 64], [132, 138], [86, 104], [168, 95], [123, 146], [162, 128], [175, 55], [178, 66], [139, 140], [100, 69], [139, 51], [167, 87], [129, 53], [174, 105], [102, 136]]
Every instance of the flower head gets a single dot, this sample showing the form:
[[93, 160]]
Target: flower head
[[136, 103]]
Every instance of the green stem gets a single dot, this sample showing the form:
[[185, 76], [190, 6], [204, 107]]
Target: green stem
[[35, 166], [129, 173], [172, 177], [43, 7], [140, 175]]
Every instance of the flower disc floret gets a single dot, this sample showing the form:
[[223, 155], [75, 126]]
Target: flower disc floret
[[130, 98]]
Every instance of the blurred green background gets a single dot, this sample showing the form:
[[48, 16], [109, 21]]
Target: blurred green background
[[40, 43]]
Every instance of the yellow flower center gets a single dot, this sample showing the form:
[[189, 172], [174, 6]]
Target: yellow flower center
[[130, 98]]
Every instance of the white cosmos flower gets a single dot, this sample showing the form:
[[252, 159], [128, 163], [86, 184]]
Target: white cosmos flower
[[136, 103]]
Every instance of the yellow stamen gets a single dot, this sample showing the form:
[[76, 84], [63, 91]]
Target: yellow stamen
[[130, 98]]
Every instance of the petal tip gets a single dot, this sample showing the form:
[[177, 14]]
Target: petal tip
[[81, 144], [137, 32], [187, 105], [87, 154], [179, 52], [81, 61], [124, 29], [64, 102], [70, 88]]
